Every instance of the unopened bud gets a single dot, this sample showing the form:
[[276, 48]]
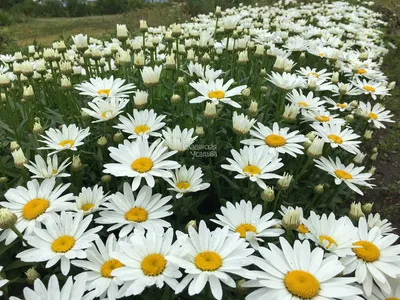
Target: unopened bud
[[319, 189], [14, 146], [31, 275], [7, 218], [175, 98], [19, 158], [367, 208], [268, 194], [200, 131], [102, 141], [191, 223], [106, 178], [118, 137], [76, 165], [355, 211], [285, 181]]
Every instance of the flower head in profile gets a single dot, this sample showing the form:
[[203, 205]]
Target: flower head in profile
[[151, 76], [105, 87], [68, 138], [276, 140], [139, 160], [186, 181], [249, 222], [65, 238], [216, 91], [257, 164], [286, 81], [350, 174], [46, 169], [177, 139], [105, 109], [89, 200]]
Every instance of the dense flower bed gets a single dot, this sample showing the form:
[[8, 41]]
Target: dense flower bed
[[219, 158]]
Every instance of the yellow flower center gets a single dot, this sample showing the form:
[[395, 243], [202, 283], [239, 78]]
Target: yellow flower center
[[63, 244], [367, 251], [67, 142], [54, 171], [87, 206], [208, 261], [136, 214], [183, 185], [315, 74], [393, 298], [321, 54], [331, 241], [34, 208], [335, 138], [153, 264], [252, 170], [322, 118], [109, 266], [343, 174], [244, 228], [302, 284], [361, 71], [369, 88], [104, 92], [216, 94], [141, 129], [373, 116], [142, 165], [302, 104], [342, 105], [274, 140], [104, 114], [303, 229]]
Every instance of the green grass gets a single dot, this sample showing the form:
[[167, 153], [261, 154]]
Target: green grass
[[47, 30]]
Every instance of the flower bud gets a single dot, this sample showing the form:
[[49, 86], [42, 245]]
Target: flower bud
[[291, 220], [14, 146], [102, 141], [106, 178], [3, 179], [28, 93], [246, 92], [285, 181], [358, 159], [200, 131], [122, 32], [253, 109], [349, 118], [316, 147], [7, 218], [37, 127], [176, 98], [264, 89], [240, 288], [19, 158], [191, 95], [367, 134], [76, 165], [268, 194], [335, 77], [118, 137], [374, 156], [211, 111], [31, 275], [143, 26], [367, 208], [355, 211], [191, 223], [180, 81], [140, 99], [392, 85], [319, 189]]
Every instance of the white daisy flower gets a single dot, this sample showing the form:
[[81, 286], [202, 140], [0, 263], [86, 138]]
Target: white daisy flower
[[338, 106], [141, 123], [144, 212], [377, 114], [140, 160], [100, 263], [216, 91], [248, 222], [177, 139], [241, 124], [299, 273], [105, 109], [321, 115], [378, 294], [186, 181], [34, 204], [335, 236], [374, 220], [147, 261], [257, 164], [342, 89], [70, 290], [286, 81], [308, 102], [307, 72], [376, 258], [350, 174], [208, 256], [277, 140], [336, 137], [3, 282], [67, 138], [46, 169], [151, 76], [373, 88], [302, 229], [65, 238], [90, 199], [105, 87]]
